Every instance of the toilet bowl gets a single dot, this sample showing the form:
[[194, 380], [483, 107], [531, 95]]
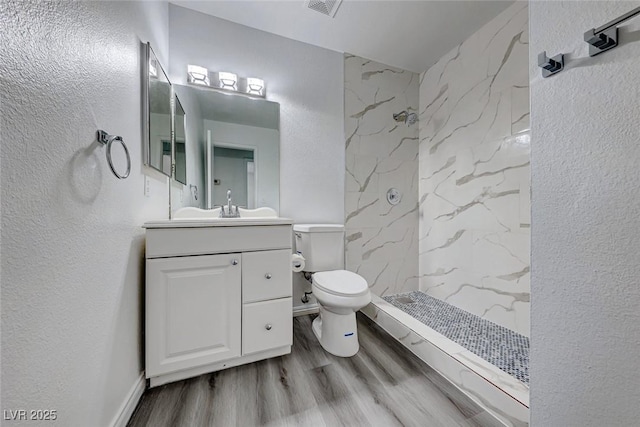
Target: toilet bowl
[[340, 293]]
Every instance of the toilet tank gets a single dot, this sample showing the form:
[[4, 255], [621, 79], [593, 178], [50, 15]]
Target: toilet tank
[[322, 246]]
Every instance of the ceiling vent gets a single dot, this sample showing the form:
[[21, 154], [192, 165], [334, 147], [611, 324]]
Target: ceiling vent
[[325, 7]]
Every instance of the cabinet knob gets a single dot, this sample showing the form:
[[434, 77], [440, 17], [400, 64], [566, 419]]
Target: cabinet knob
[[267, 276], [234, 262], [267, 327]]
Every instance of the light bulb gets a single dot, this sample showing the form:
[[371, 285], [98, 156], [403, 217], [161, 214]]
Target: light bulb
[[198, 75], [228, 81], [255, 86]]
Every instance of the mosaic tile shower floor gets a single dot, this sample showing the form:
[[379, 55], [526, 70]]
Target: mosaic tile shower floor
[[496, 344]]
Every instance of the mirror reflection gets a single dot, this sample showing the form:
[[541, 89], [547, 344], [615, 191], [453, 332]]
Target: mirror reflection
[[159, 116], [180, 154], [232, 143]]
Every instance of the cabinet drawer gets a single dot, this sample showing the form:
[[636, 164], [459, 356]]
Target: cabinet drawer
[[169, 242], [266, 275], [267, 325]]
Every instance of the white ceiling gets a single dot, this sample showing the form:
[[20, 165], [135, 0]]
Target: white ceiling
[[411, 35]]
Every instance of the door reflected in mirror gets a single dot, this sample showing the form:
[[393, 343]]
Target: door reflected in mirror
[[232, 142], [234, 170]]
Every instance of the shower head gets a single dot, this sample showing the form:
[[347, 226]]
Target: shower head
[[406, 117]]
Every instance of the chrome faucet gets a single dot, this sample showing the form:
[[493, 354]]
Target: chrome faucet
[[232, 211]]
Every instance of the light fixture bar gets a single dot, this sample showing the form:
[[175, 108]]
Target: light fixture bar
[[226, 81]]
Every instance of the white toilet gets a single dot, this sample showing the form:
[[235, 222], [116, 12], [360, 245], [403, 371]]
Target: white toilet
[[340, 293]]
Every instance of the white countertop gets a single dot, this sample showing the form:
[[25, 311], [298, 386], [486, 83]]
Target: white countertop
[[216, 222]]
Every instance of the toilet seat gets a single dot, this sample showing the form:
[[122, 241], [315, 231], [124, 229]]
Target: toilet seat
[[341, 283]]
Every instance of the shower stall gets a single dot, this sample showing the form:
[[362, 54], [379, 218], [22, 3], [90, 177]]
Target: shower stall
[[437, 208]]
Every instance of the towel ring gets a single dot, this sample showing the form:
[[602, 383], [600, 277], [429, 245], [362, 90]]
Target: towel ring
[[106, 139]]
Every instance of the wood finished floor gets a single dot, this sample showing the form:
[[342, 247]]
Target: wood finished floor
[[383, 385]]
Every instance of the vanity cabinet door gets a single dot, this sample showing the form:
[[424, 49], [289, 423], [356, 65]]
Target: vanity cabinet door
[[193, 312]]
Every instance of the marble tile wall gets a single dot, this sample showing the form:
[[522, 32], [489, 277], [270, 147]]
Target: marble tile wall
[[381, 239], [474, 186]]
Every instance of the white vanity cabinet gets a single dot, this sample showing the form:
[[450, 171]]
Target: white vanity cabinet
[[218, 294]]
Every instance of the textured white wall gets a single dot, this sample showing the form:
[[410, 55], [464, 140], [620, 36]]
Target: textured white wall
[[585, 322], [72, 242], [307, 82]]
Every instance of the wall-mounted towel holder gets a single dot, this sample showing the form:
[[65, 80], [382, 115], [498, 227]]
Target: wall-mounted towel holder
[[605, 37], [105, 139], [550, 66], [600, 40]]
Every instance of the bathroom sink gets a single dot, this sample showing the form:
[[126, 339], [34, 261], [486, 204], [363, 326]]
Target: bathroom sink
[[190, 213]]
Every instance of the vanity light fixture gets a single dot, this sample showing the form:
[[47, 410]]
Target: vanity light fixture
[[228, 81], [255, 86], [198, 75]]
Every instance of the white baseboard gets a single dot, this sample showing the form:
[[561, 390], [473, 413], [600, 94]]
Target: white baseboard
[[131, 401], [302, 310]]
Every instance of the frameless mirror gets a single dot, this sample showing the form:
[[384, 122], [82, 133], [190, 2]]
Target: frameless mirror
[[179, 145], [157, 102], [232, 143]]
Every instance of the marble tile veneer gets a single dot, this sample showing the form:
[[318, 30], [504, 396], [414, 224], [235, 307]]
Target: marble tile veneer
[[474, 185], [506, 398], [381, 239]]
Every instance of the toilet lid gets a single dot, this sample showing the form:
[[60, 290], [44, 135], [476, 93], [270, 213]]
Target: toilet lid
[[340, 282]]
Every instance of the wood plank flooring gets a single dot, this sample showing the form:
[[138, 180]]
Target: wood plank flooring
[[383, 385]]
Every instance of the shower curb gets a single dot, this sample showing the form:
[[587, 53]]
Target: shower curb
[[501, 395]]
